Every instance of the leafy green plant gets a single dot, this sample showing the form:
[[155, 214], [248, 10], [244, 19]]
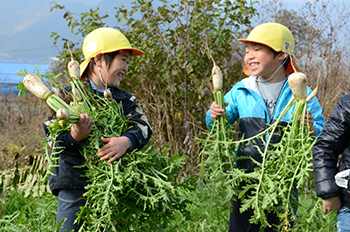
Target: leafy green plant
[[174, 36], [310, 217], [206, 210], [19, 212], [138, 193], [173, 85]]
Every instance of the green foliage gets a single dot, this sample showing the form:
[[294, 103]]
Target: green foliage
[[19, 212], [206, 210], [174, 76], [209, 214], [309, 215], [138, 192]]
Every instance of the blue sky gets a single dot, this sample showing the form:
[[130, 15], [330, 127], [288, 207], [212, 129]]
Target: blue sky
[[15, 19]]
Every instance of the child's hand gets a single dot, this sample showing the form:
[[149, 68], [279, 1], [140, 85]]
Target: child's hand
[[331, 204], [216, 110], [82, 129], [309, 121], [115, 148]]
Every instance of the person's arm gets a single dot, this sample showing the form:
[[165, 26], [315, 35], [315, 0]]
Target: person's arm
[[331, 204], [141, 131], [216, 110], [70, 140], [330, 143], [82, 128], [309, 121], [136, 137], [316, 110]]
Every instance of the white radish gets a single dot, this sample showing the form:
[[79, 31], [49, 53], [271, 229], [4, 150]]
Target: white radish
[[73, 66], [73, 106], [56, 103], [74, 69], [217, 77], [108, 95], [36, 86], [55, 91], [76, 93], [298, 85], [62, 113]]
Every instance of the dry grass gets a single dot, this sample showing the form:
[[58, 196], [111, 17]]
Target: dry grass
[[20, 122]]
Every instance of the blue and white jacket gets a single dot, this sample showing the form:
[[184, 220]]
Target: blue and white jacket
[[246, 104]]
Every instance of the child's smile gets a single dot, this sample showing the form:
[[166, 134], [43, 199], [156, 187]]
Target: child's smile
[[254, 66], [260, 61]]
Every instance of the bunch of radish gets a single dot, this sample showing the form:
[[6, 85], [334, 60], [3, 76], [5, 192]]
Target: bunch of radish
[[65, 112], [285, 166], [35, 85]]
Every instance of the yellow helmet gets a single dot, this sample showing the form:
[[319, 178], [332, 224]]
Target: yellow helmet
[[276, 36], [105, 40]]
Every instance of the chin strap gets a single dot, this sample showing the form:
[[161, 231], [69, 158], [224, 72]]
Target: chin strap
[[99, 73], [277, 70]]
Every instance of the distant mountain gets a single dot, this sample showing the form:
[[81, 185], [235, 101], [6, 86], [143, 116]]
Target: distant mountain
[[26, 26]]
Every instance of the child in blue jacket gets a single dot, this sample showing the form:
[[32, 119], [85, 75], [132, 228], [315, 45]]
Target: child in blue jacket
[[259, 99]]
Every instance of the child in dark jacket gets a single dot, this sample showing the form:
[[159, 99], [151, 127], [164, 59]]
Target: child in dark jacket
[[331, 163], [107, 53]]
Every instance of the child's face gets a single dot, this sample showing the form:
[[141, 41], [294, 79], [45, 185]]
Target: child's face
[[260, 60], [117, 69]]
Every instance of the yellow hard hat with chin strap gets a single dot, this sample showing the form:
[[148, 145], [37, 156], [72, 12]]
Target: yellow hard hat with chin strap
[[105, 40], [277, 37]]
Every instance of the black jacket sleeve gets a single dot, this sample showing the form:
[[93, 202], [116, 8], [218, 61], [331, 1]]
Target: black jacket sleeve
[[140, 128], [331, 143], [64, 140]]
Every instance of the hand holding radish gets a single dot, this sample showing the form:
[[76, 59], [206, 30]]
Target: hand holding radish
[[82, 129], [216, 110], [115, 148], [309, 121]]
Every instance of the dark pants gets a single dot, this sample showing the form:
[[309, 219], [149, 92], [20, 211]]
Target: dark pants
[[69, 204], [240, 222]]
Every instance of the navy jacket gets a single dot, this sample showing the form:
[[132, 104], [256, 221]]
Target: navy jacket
[[333, 146], [66, 175]]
